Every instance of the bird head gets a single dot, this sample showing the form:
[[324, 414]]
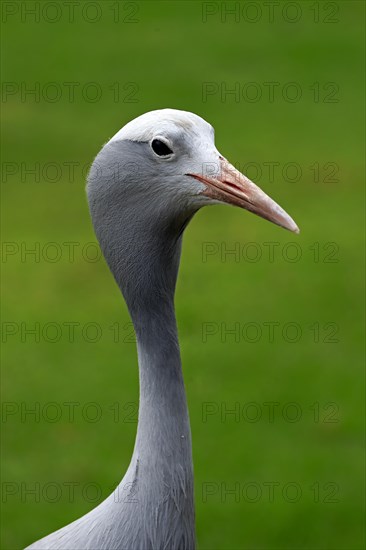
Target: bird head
[[165, 164], [146, 184]]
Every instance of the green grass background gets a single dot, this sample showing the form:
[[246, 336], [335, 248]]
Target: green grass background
[[169, 53]]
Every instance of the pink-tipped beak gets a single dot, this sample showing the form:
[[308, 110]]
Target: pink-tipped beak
[[232, 187]]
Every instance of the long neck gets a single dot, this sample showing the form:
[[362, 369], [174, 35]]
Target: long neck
[[163, 433], [162, 459], [146, 275]]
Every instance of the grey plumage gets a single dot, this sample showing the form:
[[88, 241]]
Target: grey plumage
[[140, 205]]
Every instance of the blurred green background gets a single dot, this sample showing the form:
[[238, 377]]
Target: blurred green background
[[151, 55]]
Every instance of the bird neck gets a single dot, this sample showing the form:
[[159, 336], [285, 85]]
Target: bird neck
[[161, 465], [162, 459], [163, 433], [147, 277], [143, 253]]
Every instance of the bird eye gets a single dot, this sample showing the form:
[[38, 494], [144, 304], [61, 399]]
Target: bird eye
[[160, 148]]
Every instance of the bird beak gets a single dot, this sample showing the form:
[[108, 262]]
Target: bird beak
[[231, 186]]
